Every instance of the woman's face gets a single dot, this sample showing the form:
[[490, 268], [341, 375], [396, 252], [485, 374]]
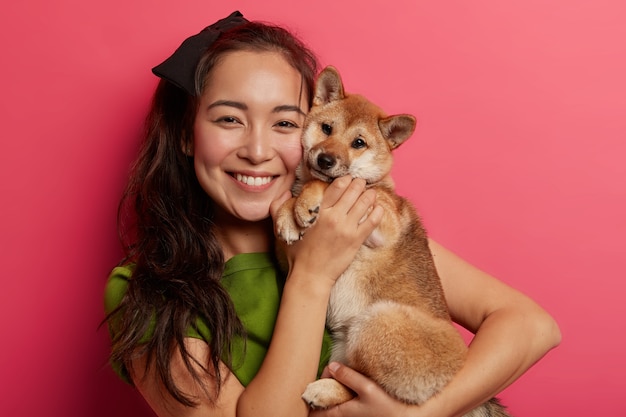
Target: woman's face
[[247, 132]]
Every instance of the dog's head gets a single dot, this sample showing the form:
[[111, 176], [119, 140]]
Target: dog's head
[[345, 134]]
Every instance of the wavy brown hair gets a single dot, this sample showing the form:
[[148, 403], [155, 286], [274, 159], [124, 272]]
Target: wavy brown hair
[[165, 223]]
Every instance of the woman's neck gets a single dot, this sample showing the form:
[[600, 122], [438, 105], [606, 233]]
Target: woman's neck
[[238, 236]]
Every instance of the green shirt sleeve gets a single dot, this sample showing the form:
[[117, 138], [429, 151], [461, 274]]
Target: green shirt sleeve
[[114, 291]]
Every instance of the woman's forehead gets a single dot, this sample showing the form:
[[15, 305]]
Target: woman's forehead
[[255, 77]]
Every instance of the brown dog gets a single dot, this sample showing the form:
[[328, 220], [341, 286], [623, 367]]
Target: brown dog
[[387, 312]]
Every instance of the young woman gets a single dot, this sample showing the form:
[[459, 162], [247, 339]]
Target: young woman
[[202, 323]]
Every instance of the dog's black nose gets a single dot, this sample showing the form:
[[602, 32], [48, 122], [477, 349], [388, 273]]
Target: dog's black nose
[[325, 161]]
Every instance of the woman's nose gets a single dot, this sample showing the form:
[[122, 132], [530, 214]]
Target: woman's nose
[[257, 146]]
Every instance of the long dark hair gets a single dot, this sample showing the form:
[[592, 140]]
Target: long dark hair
[[165, 222]]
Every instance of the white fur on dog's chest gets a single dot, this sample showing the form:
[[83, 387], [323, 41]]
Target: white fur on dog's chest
[[347, 299]]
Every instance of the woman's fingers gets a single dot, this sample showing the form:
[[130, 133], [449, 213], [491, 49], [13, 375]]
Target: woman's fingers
[[343, 192], [348, 196], [371, 399], [347, 205], [352, 379]]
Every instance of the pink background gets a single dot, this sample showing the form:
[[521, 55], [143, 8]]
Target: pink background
[[519, 165]]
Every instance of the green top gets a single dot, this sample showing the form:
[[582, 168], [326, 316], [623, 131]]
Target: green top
[[255, 287]]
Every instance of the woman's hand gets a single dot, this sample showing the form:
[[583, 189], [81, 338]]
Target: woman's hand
[[370, 400], [348, 215]]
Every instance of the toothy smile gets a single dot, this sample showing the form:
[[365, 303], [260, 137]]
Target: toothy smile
[[250, 180]]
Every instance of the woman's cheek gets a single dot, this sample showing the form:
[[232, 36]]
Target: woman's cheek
[[292, 153]]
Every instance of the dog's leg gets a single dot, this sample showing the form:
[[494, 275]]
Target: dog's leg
[[286, 227], [307, 205], [325, 393], [408, 352]]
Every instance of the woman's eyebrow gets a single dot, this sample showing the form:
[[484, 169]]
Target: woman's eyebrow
[[243, 106], [288, 107], [229, 103]]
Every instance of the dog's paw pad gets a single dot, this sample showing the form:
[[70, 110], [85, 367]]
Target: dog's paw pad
[[313, 212]]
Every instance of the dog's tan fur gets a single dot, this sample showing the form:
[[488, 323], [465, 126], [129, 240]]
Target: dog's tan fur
[[387, 312]]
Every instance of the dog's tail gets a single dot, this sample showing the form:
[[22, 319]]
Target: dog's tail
[[491, 408]]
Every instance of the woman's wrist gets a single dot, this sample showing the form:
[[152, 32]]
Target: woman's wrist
[[310, 283]]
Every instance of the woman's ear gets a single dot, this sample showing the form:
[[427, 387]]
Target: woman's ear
[[187, 148]]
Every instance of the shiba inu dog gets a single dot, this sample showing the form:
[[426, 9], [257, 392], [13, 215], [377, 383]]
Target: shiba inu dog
[[387, 312]]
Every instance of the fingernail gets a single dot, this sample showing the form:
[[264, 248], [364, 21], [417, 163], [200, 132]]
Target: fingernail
[[333, 366]]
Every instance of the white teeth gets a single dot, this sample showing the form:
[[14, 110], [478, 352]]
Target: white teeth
[[256, 181]]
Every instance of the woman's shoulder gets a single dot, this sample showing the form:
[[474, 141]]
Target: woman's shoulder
[[116, 286]]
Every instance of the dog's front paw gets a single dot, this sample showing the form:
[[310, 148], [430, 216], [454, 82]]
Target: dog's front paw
[[287, 229], [325, 393]]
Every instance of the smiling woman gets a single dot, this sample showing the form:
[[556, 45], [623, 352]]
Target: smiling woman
[[216, 159]]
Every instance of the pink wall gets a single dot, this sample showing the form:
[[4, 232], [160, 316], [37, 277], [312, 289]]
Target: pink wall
[[519, 164]]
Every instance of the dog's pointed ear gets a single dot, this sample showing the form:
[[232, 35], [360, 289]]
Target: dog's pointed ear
[[328, 87], [396, 129]]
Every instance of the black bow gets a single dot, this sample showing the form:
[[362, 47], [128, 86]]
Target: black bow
[[180, 67]]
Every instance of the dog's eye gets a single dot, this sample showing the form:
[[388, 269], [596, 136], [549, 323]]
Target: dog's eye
[[358, 143], [327, 129]]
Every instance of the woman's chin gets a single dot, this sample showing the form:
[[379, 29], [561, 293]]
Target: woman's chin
[[253, 214]]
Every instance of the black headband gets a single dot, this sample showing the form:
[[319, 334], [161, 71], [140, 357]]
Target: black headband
[[180, 68]]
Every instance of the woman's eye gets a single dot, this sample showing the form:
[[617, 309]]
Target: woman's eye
[[286, 124], [227, 120], [358, 143], [327, 129]]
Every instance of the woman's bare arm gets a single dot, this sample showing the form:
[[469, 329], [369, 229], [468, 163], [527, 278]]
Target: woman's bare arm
[[511, 331], [164, 405]]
